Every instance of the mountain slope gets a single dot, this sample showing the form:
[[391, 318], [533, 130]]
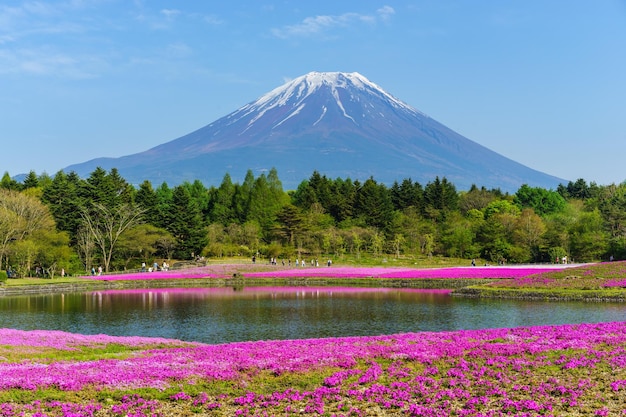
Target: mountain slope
[[339, 124]]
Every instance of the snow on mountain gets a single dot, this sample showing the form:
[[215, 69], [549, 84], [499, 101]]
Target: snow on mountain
[[340, 124], [295, 92]]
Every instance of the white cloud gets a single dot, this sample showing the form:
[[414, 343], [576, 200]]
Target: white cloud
[[212, 20], [47, 62], [170, 13], [317, 25], [386, 12], [179, 50]]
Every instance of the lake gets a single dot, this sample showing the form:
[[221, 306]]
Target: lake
[[218, 315]]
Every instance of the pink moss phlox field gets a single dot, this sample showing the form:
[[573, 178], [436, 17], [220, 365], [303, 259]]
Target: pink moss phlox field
[[70, 341], [190, 273], [405, 273], [593, 276], [531, 371], [226, 271]]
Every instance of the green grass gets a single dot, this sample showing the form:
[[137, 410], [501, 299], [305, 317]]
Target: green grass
[[584, 283], [15, 282]]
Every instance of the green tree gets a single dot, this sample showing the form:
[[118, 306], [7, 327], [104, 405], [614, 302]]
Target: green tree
[[458, 237], [528, 235], [241, 198], [186, 224], [266, 200], [63, 197], [199, 193], [542, 201], [31, 180], [162, 217], [53, 250], [440, 198], [344, 192], [475, 199], [407, 194], [373, 205], [304, 196], [140, 243], [222, 201], [588, 241], [291, 223], [146, 199], [21, 215], [9, 183]]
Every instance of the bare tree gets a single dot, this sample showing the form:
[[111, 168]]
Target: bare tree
[[85, 245], [107, 224]]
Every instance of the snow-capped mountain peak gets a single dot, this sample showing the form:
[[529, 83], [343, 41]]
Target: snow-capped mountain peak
[[337, 123], [341, 86]]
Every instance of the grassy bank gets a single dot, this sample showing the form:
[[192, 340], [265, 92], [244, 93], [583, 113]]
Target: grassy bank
[[592, 282]]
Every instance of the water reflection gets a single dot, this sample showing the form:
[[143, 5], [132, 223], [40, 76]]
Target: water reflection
[[216, 315]]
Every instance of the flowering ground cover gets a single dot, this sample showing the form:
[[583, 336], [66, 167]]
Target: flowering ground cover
[[590, 276], [209, 271], [405, 273], [532, 371], [249, 271]]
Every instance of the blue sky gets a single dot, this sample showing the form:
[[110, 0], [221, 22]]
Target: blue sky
[[541, 82]]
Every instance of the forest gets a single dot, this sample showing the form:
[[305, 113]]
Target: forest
[[51, 225]]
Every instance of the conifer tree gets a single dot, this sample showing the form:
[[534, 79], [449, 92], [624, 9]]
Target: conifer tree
[[186, 224]]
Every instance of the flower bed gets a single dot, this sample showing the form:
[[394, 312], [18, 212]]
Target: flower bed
[[488, 272], [533, 371], [590, 276]]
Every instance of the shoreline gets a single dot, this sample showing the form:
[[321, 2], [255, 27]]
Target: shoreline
[[236, 283], [468, 282]]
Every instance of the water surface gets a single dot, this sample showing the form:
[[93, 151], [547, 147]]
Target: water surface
[[217, 315]]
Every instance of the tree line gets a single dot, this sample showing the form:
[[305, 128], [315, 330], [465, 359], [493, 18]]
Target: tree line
[[70, 224]]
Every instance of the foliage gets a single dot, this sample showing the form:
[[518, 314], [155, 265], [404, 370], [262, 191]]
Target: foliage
[[322, 217], [542, 201]]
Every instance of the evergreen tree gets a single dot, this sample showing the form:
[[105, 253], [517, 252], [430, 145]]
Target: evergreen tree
[[63, 196], [241, 198], [199, 193], [344, 192], [9, 183], [31, 181], [408, 194], [162, 215], [578, 189], [146, 198], [186, 224], [440, 197], [109, 189], [222, 202], [304, 196], [290, 223], [373, 205], [263, 206]]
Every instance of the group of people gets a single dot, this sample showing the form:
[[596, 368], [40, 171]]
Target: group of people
[[155, 267], [314, 262]]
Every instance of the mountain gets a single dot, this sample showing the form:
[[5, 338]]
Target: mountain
[[339, 124]]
